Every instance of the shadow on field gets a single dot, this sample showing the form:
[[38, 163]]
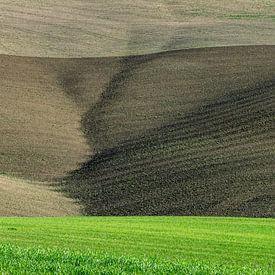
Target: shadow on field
[[181, 133]]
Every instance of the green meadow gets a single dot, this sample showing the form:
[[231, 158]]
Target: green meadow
[[137, 245]]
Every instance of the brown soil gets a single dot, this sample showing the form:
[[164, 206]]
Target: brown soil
[[180, 133], [23, 198], [86, 28]]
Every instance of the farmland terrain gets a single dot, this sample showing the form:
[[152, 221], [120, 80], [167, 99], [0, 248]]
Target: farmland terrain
[[137, 107], [166, 143], [25, 198], [84, 28], [137, 245], [183, 132]]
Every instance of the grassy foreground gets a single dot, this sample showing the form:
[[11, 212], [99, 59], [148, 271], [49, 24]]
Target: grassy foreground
[[150, 245], [39, 261]]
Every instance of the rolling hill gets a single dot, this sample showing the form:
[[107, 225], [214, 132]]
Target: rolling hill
[[84, 28], [184, 132], [136, 107], [160, 111]]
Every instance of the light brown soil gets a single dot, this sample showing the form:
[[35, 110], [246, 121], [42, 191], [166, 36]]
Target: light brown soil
[[39, 124], [70, 28], [23, 198], [40, 139]]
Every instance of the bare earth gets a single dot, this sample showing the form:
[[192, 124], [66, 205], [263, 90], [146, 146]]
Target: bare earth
[[39, 139], [22, 198], [183, 132], [70, 28], [39, 124], [86, 107]]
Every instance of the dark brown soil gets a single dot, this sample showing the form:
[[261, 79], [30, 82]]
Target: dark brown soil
[[182, 133], [179, 133]]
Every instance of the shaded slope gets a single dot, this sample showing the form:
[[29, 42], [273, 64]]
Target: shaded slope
[[84, 28], [182, 133], [150, 91]]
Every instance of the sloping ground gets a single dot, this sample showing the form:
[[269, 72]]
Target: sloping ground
[[84, 28], [184, 132], [39, 125], [39, 139], [22, 198]]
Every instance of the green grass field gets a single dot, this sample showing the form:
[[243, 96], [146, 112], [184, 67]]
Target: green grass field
[[140, 245]]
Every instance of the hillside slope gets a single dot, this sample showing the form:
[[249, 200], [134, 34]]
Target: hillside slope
[[38, 123], [84, 28], [39, 139], [180, 133]]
